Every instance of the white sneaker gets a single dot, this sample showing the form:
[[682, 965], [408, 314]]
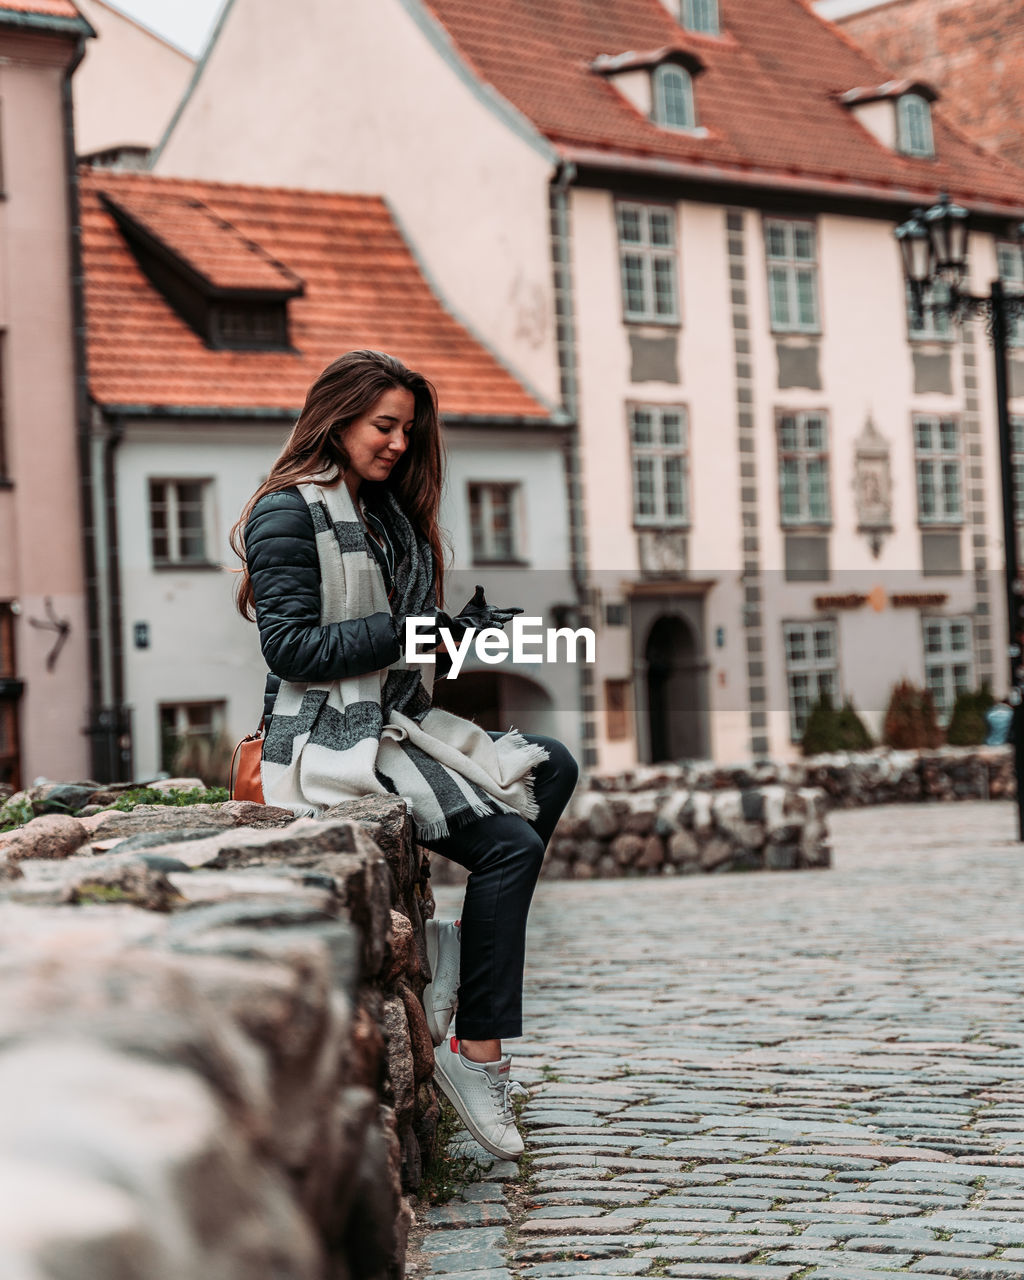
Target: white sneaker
[[440, 996], [482, 1093]]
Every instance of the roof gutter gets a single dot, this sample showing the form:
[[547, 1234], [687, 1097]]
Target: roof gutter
[[591, 158], [164, 412], [51, 23], [123, 411], [504, 420]]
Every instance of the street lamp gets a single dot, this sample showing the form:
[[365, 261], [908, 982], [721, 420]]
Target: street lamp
[[933, 244]]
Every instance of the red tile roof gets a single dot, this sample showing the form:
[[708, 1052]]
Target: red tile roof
[[42, 8], [362, 289], [768, 97], [215, 249]]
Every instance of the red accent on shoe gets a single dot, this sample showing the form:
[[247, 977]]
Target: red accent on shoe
[[454, 1044], [458, 924]]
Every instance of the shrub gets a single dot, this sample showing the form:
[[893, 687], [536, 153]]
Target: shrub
[[910, 718], [853, 733], [967, 725], [821, 732], [831, 729]]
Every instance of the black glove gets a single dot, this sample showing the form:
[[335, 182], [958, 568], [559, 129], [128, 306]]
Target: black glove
[[478, 614]]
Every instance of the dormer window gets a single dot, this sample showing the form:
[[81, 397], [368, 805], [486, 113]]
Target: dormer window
[[914, 128], [658, 83], [673, 98], [898, 114], [229, 290], [701, 16]]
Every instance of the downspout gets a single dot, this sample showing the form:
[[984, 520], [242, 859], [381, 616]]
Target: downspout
[[118, 730], [565, 341], [82, 419]]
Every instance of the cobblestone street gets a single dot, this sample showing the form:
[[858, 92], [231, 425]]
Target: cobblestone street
[[813, 1074]]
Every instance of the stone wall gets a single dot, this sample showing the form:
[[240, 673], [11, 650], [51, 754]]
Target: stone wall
[[682, 819], [684, 831], [672, 820], [213, 1059], [848, 779]]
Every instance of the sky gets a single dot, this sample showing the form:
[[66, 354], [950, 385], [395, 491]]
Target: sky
[[186, 23]]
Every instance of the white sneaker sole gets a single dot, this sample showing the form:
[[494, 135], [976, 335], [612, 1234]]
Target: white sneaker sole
[[438, 1032], [452, 1094]]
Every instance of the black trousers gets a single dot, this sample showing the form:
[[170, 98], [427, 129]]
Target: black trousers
[[503, 854]]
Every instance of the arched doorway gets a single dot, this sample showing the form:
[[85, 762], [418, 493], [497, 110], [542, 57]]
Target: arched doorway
[[676, 695]]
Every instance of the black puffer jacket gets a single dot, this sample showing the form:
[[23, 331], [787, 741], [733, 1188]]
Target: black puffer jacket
[[280, 549]]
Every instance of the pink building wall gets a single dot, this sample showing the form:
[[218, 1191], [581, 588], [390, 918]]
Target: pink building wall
[[40, 523]]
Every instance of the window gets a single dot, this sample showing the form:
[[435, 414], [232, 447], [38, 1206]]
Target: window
[[178, 517], [616, 709], [939, 470], [803, 469], [647, 255], [700, 15], [948, 661], [811, 669], [914, 125], [189, 733], [661, 472], [673, 98], [249, 326], [1011, 272], [792, 249], [932, 322], [493, 521], [10, 762]]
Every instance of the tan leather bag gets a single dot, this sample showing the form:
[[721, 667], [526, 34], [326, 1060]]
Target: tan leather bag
[[247, 784]]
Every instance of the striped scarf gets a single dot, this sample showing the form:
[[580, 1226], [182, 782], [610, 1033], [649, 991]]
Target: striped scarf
[[377, 734]]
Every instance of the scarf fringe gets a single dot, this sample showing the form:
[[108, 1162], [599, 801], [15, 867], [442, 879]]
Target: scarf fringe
[[534, 754]]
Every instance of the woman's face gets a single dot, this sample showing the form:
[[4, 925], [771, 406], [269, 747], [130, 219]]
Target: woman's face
[[376, 441]]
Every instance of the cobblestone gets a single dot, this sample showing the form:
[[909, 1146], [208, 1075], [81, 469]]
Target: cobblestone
[[761, 1077]]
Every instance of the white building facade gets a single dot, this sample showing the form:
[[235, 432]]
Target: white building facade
[[679, 219], [188, 419]]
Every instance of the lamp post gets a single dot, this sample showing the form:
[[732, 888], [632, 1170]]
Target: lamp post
[[933, 243]]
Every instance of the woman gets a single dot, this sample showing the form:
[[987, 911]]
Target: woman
[[340, 545]]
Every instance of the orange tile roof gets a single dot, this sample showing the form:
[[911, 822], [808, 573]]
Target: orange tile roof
[[215, 249], [362, 289], [768, 96], [43, 8]]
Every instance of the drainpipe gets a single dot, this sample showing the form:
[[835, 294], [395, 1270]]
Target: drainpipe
[[82, 419], [565, 338], [114, 720]]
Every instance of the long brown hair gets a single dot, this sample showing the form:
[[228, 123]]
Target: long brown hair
[[346, 390]]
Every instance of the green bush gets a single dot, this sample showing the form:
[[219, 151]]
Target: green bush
[[967, 726], [853, 733], [15, 812], [831, 729], [910, 720], [150, 795]]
